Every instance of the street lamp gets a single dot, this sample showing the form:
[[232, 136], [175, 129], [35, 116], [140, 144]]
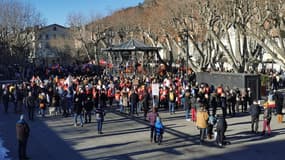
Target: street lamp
[[184, 34]]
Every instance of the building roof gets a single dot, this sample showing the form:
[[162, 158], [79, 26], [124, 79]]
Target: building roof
[[52, 25]]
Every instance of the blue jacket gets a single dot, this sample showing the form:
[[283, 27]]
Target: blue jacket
[[159, 128]]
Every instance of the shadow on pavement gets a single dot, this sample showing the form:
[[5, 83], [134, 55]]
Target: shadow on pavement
[[263, 151], [108, 146], [43, 143]]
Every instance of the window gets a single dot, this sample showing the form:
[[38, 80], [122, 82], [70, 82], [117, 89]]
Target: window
[[46, 36], [54, 36], [54, 28]]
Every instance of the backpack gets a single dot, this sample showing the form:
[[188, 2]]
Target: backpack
[[171, 96]]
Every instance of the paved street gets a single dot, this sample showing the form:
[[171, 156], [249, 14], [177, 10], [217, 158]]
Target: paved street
[[128, 138]]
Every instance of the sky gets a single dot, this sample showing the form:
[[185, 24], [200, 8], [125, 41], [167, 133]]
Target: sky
[[56, 11]]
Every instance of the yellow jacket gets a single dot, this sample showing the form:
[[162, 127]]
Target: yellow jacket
[[202, 119]]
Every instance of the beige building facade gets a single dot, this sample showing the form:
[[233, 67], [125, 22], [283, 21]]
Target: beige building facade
[[53, 42]]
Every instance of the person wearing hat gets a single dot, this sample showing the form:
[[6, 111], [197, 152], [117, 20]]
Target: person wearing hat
[[22, 132]]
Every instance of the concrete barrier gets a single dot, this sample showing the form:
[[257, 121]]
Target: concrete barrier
[[232, 80]]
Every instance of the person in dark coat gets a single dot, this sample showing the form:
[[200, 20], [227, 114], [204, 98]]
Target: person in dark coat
[[95, 97], [103, 99], [145, 103], [254, 111], [5, 99], [100, 114], [88, 105], [223, 102], [221, 129], [78, 102], [31, 105], [213, 103], [187, 105], [232, 101], [23, 132], [134, 100], [279, 106]]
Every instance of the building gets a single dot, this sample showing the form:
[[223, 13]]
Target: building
[[53, 42]]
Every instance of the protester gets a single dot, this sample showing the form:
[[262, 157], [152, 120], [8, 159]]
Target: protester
[[151, 117], [202, 122], [124, 101], [87, 99], [254, 111], [267, 114], [221, 129], [134, 99], [232, 103], [171, 100], [30, 105], [78, 106], [211, 123], [100, 114], [42, 103], [223, 103], [23, 132], [279, 106], [5, 100], [159, 130], [187, 105], [145, 102], [195, 108]]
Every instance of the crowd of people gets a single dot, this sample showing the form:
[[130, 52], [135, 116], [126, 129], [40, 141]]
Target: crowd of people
[[82, 95]]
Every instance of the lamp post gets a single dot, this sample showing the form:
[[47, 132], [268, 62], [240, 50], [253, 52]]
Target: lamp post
[[185, 36], [110, 35]]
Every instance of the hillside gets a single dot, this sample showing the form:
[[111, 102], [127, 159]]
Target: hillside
[[152, 16]]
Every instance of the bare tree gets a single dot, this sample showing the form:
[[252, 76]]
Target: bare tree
[[17, 27], [88, 34], [267, 27]]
